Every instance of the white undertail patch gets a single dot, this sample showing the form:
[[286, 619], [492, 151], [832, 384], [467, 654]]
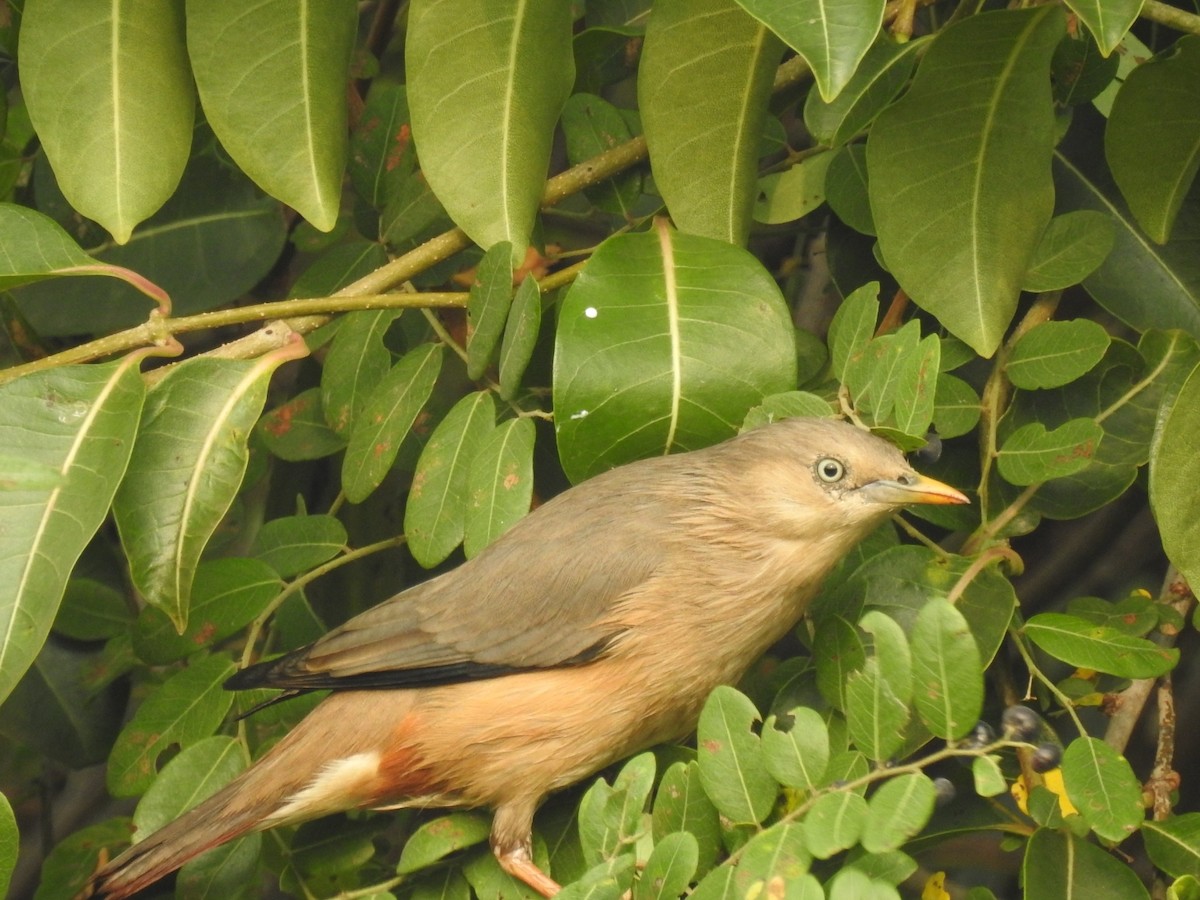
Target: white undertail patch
[[339, 785]]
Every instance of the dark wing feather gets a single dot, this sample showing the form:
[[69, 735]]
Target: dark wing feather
[[540, 597]]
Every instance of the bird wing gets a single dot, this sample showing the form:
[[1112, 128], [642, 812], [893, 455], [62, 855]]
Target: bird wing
[[540, 597]]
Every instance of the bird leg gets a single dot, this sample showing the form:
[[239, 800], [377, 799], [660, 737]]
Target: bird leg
[[518, 863]]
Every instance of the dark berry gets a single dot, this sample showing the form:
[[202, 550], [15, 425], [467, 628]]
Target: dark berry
[[945, 791], [981, 736], [1020, 723], [1045, 757]]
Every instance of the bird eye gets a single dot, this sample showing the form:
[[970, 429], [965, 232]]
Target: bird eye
[[830, 470]]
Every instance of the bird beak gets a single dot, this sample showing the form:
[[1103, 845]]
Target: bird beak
[[917, 489]]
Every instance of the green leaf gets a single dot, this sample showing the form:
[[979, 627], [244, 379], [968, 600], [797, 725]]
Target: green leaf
[[210, 244], [92, 611], [296, 429], [731, 764], [1063, 865], [891, 651], [289, 133], [1144, 284], [846, 188], [1174, 473], [223, 871], [36, 248], [776, 856], [71, 864], [591, 125], [437, 839], [500, 484], [186, 468], [947, 670], [109, 91], [194, 775], [610, 818], [1072, 247], [717, 885], [1174, 844], [1084, 645], [852, 328], [832, 37], [875, 715], [1031, 454], [1102, 786], [988, 777], [897, 811], [294, 544], [788, 405], [880, 76], [793, 193], [959, 170], [381, 149], [56, 710], [487, 307], [395, 402], [609, 880], [356, 363], [1107, 20], [226, 596], [1153, 137], [10, 839], [1056, 353], [664, 342], [669, 868], [798, 754], [839, 653], [73, 430], [834, 823], [916, 387], [682, 805], [1080, 72], [703, 113], [435, 517], [956, 407], [186, 708], [484, 103], [520, 336]]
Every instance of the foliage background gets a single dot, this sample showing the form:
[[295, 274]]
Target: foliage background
[[960, 217]]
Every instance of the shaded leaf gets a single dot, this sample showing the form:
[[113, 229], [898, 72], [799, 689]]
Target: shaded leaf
[[296, 429], [1072, 247], [1063, 865], [1174, 844], [439, 838], [197, 773], [1153, 136], [682, 805], [880, 76], [520, 336], [357, 362], [1107, 20], [1174, 470], [897, 811], [294, 544], [487, 307]]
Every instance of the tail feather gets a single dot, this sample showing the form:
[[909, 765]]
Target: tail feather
[[318, 768]]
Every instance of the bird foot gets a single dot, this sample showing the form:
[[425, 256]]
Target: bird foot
[[519, 865]]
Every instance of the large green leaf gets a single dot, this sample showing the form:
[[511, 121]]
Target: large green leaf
[[192, 776], [288, 132], [65, 439], [1063, 865], [210, 243], [108, 88], [484, 102], [664, 342], [1174, 474], [705, 75], [187, 466], [880, 76], [1153, 137], [1084, 644], [831, 35], [960, 170], [1146, 285]]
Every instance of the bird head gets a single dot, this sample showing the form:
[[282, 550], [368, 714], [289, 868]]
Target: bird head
[[826, 476]]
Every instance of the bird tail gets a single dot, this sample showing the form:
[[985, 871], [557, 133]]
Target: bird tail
[[203, 827], [324, 765]]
